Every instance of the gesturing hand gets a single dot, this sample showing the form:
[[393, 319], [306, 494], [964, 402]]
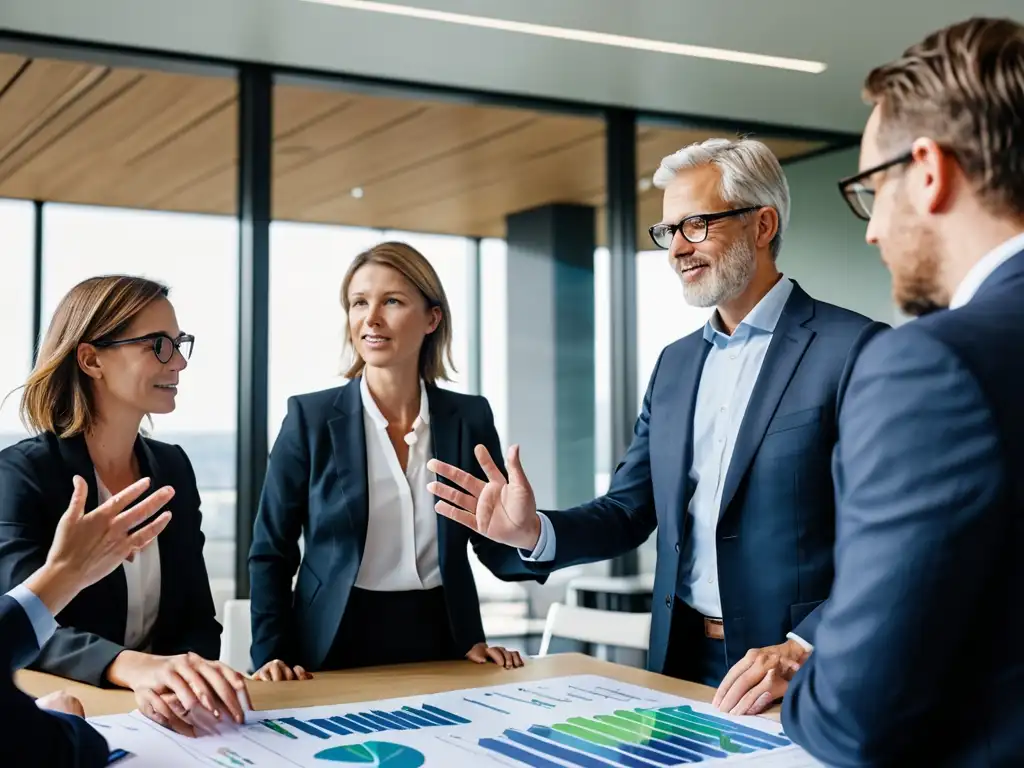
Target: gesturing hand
[[760, 678], [500, 509]]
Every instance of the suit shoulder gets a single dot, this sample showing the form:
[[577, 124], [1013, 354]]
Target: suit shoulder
[[840, 318], [32, 452], [684, 346], [474, 405], [320, 399]]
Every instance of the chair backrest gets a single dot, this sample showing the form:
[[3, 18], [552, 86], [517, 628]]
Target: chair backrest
[[236, 642], [589, 625]]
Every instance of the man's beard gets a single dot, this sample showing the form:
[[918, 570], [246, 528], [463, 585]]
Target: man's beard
[[914, 258], [726, 277]]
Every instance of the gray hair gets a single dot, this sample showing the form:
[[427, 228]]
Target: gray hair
[[751, 175]]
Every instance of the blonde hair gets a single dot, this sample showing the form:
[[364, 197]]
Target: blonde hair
[[963, 87], [414, 266], [57, 397]]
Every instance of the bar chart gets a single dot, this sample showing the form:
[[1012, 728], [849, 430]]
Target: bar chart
[[373, 721]]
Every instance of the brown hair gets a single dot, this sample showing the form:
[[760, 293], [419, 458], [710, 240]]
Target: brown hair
[[963, 87], [414, 266], [58, 396]]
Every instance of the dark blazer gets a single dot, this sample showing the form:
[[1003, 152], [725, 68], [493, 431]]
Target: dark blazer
[[35, 489], [919, 658], [776, 525], [32, 736], [316, 487]]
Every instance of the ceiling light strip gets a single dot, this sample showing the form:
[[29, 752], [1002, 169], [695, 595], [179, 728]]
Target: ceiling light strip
[[582, 35]]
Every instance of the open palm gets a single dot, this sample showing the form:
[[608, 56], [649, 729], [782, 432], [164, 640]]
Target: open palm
[[501, 509]]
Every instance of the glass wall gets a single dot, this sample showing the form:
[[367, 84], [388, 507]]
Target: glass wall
[[17, 244]]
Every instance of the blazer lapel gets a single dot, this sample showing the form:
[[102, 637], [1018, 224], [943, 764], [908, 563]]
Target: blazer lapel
[[446, 441], [348, 438], [787, 347], [158, 478]]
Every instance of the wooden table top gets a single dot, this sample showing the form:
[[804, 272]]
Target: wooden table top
[[385, 683]]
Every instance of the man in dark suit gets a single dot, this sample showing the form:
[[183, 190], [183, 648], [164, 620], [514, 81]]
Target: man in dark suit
[[730, 455], [919, 657], [85, 549]]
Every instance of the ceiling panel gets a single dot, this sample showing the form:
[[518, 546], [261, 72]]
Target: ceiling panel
[[91, 134]]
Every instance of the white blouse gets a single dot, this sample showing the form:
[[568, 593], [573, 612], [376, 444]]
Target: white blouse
[[142, 578], [401, 534]]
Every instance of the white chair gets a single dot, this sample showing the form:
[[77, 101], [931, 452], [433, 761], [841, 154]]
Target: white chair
[[589, 625], [237, 638]]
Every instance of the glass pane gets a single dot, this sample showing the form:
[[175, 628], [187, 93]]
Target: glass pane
[[16, 255]]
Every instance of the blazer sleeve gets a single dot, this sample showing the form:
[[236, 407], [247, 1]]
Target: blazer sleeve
[[32, 736], [196, 630], [620, 520], [919, 480], [274, 557], [26, 534], [501, 560], [807, 628]]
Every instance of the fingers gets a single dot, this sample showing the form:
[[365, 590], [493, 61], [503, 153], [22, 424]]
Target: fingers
[[302, 674], [189, 686], [517, 660], [144, 510], [497, 655], [731, 677], [157, 709], [454, 495], [755, 694], [276, 671], [77, 506], [226, 691], [487, 464], [116, 503], [75, 706], [458, 476], [747, 682], [515, 468], [143, 537], [478, 653], [458, 515]]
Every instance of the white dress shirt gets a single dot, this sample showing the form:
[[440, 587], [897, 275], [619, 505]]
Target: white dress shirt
[[401, 534], [39, 616], [981, 271], [142, 579]]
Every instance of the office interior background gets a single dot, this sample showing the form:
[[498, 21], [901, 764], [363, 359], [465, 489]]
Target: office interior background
[[244, 151]]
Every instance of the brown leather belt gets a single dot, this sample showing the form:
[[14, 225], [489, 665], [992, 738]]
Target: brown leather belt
[[714, 629]]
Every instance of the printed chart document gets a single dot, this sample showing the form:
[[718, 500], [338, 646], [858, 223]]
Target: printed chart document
[[582, 721]]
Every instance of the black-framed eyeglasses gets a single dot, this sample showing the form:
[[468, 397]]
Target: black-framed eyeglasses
[[163, 345], [858, 195], [693, 228]]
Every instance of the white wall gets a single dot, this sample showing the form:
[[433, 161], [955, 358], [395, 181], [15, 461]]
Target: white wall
[[824, 249]]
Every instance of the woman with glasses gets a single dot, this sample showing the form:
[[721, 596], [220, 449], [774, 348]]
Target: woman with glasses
[[383, 579], [113, 355]]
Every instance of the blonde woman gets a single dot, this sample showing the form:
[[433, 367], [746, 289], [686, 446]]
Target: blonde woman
[[383, 579]]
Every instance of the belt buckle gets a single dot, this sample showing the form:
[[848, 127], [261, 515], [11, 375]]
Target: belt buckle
[[714, 628]]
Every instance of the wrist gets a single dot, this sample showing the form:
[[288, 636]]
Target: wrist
[[535, 533], [54, 586], [130, 669]]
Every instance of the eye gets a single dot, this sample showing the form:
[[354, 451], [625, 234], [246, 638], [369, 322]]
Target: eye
[[392, 300], [358, 303]]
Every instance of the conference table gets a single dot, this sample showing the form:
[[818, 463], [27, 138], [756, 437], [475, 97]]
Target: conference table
[[387, 683]]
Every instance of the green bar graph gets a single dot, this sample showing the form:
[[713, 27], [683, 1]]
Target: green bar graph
[[278, 728], [663, 723]]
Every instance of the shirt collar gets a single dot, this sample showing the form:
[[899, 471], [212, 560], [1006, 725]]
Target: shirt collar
[[981, 271], [370, 405], [763, 317]]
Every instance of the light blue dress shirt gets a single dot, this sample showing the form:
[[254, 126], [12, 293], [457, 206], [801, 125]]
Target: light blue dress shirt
[[43, 623], [727, 380]]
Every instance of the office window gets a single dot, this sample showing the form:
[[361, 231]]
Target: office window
[[197, 257], [17, 244]]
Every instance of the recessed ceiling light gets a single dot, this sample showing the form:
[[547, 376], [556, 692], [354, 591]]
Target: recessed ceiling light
[[357, 193], [582, 35]]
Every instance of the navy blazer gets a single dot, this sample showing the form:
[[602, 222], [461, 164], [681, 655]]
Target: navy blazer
[[32, 736], [316, 487], [35, 489], [776, 525], [919, 658]]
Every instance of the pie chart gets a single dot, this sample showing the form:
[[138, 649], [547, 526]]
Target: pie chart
[[374, 753]]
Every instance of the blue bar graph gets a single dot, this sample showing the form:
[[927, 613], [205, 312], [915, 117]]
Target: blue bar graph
[[374, 721]]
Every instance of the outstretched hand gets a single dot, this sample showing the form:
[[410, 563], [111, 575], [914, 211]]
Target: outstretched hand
[[501, 509]]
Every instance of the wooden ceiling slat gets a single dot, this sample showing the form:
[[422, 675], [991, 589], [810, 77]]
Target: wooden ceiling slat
[[432, 131], [486, 163], [9, 67], [298, 107], [38, 97]]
